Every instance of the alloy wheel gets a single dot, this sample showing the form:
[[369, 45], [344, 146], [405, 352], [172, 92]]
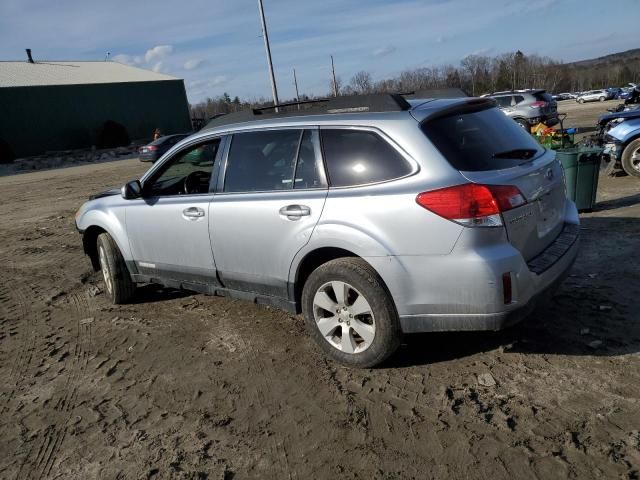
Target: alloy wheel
[[635, 159], [344, 317]]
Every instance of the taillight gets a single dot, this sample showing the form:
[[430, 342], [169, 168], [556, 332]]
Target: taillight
[[472, 204], [538, 104], [151, 148]]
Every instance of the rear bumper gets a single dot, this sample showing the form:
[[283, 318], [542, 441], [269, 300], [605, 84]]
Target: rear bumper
[[493, 321], [533, 282], [148, 157]]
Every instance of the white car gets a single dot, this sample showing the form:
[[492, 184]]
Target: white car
[[593, 96]]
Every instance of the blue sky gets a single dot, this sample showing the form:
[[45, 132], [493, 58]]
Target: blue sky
[[216, 45]]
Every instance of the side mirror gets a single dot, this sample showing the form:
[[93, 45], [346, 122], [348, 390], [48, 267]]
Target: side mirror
[[132, 190]]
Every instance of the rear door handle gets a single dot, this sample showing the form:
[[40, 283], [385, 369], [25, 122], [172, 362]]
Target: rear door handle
[[294, 212], [193, 213]]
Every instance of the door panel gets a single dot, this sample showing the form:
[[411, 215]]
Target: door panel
[[169, 238], [256, 234], [169, 229], [254, 242]]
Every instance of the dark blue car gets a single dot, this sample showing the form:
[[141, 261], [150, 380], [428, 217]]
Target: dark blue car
[[154, 150]]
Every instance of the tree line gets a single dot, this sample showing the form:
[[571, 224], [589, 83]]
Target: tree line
[[475, 74]]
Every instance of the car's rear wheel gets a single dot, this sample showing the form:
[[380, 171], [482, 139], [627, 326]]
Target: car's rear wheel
[[631, 158], [524, 124], [350, 314], [602, 99], [117, 280], [581, 100]]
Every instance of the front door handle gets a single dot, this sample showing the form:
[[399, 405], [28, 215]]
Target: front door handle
[[294, 212], [193, 213]]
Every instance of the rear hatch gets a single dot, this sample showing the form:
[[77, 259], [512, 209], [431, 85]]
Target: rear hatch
[[550, 106], [491, 149]]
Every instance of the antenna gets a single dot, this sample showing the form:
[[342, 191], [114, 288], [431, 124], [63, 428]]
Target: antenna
[[274, 88]]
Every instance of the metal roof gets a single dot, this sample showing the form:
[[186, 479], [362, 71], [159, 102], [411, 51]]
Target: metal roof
[[25, 74]]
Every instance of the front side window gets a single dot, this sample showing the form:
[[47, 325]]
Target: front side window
[[188, 172], [262, 161], [359, 157]]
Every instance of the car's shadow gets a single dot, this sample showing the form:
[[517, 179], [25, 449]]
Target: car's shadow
[[152, 293], [617, 203]]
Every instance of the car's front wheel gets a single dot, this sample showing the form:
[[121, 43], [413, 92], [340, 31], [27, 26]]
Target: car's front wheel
[[117, 280], [631, 158], [350, 314]]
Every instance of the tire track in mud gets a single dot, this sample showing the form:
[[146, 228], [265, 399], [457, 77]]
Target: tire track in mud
[[281, 447], [18, 319], [64, 401]]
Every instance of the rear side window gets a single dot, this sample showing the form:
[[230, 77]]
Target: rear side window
[[358, 157], [262, 161], [503, 101], [481, 140]]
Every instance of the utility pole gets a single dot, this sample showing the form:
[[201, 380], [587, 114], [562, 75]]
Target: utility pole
[[274, 88], [295, 82], [335, 85]]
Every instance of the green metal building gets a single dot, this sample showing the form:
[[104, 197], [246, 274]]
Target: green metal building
[[46, 106]]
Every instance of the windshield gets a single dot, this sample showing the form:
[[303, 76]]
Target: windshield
[[481, 140]]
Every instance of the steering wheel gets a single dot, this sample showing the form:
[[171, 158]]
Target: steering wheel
[[196, 182]]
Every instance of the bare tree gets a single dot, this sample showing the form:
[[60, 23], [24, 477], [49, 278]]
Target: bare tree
[[362, 82]]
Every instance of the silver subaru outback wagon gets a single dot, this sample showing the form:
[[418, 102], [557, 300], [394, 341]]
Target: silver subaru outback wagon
[[372, 216]]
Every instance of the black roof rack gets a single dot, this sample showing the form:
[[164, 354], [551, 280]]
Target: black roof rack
[[388, 102]]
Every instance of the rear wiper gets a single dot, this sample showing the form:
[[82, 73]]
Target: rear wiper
[[517, 153]]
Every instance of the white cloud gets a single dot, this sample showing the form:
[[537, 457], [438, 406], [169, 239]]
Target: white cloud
[[157, 53], [384, 51], [193, 63], [159, 67], [205, 83], [127, 59]]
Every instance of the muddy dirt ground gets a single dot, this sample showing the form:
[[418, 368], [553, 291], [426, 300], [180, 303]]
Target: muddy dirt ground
[[177, 385]]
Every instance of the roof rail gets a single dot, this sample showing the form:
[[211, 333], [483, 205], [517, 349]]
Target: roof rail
[[388, 102]]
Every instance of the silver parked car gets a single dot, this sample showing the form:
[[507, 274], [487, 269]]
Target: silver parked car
[[593, 96], [528, 107], [372, 216]]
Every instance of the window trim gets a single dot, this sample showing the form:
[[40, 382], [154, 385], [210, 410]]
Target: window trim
[[415, 166], [171, 154], [224, 163]]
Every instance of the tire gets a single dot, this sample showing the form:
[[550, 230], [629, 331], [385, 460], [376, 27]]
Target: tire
[[631, 158], [117, 280], [602, 99], [380, 327], [524, 124], [581, 100]]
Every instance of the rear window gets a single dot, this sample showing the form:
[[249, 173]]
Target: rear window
[[481, 140], [358, 157]]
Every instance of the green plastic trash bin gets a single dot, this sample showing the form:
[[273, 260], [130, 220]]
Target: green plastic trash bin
[[581, 167]]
